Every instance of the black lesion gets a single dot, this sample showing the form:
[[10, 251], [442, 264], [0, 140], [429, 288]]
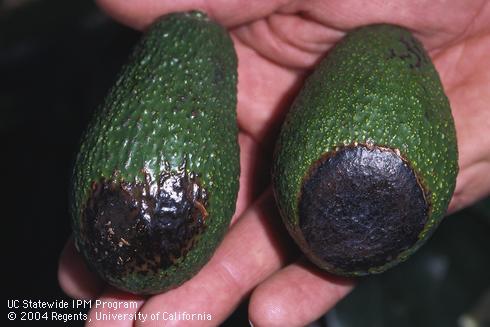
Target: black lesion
[[219, 73], [411, 52], [143, 227], [360, 207]]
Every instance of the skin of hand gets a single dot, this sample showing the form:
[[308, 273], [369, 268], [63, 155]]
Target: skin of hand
[[278, 43]]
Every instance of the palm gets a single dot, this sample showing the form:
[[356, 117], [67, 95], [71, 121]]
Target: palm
[[277, 45]]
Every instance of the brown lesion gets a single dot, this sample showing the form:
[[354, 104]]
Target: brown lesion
[[143, 227], [202, 209], [412, 52]]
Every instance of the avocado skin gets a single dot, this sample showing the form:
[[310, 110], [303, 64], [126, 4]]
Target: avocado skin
[[376, 87], [161, 118]]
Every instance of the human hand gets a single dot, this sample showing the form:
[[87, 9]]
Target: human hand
[[278, 43]]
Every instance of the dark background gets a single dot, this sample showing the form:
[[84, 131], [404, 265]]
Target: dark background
[[57, 60]]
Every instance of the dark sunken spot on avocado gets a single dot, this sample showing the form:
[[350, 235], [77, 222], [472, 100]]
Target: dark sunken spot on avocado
[[360, 207], [410, 52], [143, 227]]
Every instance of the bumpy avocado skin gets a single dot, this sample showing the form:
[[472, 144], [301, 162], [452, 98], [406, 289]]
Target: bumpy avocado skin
[[376, 87], [172, 112]]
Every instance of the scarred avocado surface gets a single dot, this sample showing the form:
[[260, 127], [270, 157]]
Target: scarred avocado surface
[[366, 161], [156, 178]]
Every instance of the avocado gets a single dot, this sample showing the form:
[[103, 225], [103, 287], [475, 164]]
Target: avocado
[[155, 181], [366, 160]]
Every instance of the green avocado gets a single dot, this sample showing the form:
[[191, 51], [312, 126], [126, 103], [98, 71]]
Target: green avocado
[[366, 162], [156, 178]]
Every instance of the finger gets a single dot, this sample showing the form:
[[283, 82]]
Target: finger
[[140, 13], [264, 91], [296, 296], [289, 40], [253, 176], [249, 253], [445, 20], [115, 308], [74, 277]]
